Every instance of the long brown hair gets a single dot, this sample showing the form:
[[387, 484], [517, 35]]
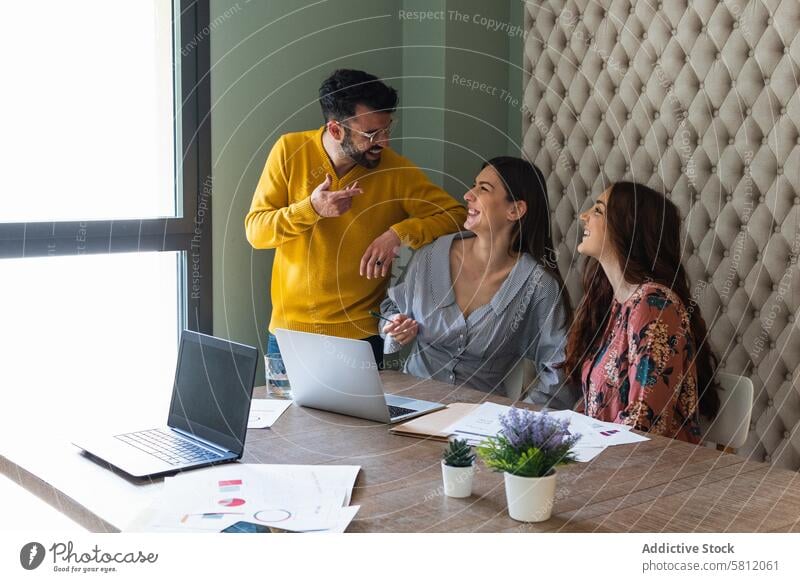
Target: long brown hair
[[531, 233], [643, 228]]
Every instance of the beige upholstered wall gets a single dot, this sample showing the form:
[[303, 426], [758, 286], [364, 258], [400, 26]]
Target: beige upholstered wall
[[699, 99]]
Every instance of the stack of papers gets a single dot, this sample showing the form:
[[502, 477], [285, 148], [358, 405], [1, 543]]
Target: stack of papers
[[300, 498], [435, 425], [596, 435]]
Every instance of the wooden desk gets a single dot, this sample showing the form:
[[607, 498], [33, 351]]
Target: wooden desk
[[658, 485]]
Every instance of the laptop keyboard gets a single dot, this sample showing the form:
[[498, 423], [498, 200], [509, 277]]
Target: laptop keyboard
[[168, 447], [395, 411]]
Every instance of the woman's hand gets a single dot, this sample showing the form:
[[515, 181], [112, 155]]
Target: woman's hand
[[403, 329]]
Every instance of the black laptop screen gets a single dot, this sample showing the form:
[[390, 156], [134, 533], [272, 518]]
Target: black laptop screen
[[213, 388]]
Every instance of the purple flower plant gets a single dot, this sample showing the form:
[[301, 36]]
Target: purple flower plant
[[530, 444], [525, 429]]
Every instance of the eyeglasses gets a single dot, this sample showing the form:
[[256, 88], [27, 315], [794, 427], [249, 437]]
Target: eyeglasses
[[372, 135]]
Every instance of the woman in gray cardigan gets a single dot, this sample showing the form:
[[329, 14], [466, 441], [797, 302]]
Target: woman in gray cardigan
[[475, 303]]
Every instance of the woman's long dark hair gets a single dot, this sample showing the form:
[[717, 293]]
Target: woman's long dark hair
[[643, 228], [524, 181]]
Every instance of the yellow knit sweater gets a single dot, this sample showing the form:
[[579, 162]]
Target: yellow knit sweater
[[316, 286]]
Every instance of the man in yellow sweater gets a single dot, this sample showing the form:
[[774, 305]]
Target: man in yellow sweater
[[337, 202]]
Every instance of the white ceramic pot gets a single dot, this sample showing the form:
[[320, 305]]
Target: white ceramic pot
[[457, 480], [530, 499]]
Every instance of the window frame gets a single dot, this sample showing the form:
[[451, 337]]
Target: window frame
[[190, 230]]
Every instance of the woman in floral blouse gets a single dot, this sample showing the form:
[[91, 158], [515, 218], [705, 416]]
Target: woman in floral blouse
[[638, 346]]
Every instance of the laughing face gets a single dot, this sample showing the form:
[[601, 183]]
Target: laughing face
[[356, 145], [488, 208], [595, 243]]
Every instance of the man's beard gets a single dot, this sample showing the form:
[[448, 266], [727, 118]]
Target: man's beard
[[360, 158]]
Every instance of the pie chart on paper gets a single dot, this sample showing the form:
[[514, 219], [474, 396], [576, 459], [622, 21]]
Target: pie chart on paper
[[272, 515], [233, 502]]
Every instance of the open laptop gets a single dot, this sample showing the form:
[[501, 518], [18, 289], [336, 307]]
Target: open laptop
[[207, 420], [340, 375]]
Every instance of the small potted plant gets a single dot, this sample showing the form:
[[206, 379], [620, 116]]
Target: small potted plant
[[527, 450], [458, 469]]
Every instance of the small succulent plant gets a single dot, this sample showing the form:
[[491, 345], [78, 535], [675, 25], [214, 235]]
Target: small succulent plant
[[458, 454]]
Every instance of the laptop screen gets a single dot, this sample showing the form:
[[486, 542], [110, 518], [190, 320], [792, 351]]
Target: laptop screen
[[213, 388]]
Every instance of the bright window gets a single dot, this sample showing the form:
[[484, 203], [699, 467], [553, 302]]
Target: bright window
[[100, 219], [86, 110], [94, 336]]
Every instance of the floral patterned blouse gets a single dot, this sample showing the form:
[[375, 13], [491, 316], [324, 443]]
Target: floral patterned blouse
[[643, 375]]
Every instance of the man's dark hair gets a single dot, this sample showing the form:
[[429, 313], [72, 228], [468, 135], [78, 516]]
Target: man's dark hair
[[346, 88]]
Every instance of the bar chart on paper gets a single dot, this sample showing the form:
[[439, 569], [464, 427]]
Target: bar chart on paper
[[189, 518], [230, 485]]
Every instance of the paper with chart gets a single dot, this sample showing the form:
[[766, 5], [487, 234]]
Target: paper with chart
[[596, 435], [292, 497], [265, 411]]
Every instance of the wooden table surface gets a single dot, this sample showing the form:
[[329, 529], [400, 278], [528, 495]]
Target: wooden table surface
[[654, 486]]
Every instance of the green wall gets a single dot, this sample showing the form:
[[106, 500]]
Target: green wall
[[268, 60], [462, 87], [423, 88], [516, 48], [476, 87]]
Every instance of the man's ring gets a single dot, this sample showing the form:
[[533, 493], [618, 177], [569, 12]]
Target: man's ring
[[379, 262]]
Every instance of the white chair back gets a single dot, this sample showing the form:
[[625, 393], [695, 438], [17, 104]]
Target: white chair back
[[519, 380], [732, 424]]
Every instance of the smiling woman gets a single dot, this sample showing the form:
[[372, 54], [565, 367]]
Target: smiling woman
[[649, 365], [476, 303]]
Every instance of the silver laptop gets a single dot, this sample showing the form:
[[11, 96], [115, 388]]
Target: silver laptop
[[207, 420], [340, 375]]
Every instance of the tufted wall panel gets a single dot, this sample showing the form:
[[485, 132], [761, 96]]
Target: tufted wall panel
[[698, 99]]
